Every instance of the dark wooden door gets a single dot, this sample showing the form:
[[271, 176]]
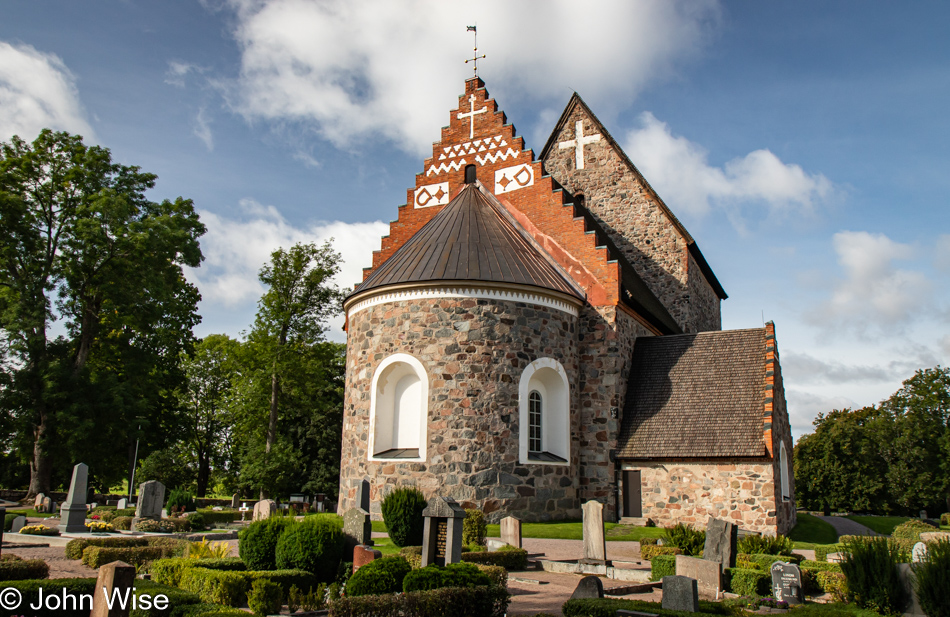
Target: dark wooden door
[[631, 494]]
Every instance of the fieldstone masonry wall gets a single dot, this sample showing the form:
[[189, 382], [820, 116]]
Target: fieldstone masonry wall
[[474, 352], [693, 492], [781, 432]]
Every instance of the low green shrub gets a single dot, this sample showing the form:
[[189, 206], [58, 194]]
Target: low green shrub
[[216, 517], [765, 561], [474, 528], [314, 544], [608, 607], [30, 590], [169, 571], [180, 500], [834, 583], [8, 521], [229, 587], [455, 601], [765, 545], [497, 574], [97, 556], [684, 537], [932, 580], [313, 599], [177, 599], [264, 598], [380, 576], [823, 550], [207, 609], [648, 541], [147, 525], [662, 565], [196, 521], [258, 542], [820, 566], [402, 513], [870, 567], [508, 557], [452, 575], [651, 552], [945, 518], [747, 582], [911, 530], [122, 522], [23, 569], [74, 548]]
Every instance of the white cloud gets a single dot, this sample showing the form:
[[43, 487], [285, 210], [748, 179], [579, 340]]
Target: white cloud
[[203, 129], [803, 368], [354, 69], [235, 249], [681, 173], [803, 407], [37, 91], [177, 71], [873, 292], [942, 259]]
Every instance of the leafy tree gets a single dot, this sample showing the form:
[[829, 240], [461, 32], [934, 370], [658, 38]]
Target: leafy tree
[[292, 374], [82, 243]]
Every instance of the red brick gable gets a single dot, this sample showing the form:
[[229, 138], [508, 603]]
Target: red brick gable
[[485, 140]]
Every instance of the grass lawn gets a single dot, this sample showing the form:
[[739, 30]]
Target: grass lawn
[[573, 530], [31, 513], [385, 546], [812, 530], [881, 524]]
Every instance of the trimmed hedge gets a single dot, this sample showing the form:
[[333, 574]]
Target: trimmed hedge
[[747, 582], [822, 551], [74, 548], [508, 558], [765, 561], [123, 522], [230, 587], [834, 583], [215, 517], [207, 609], [98, 556], [452, 575], [911, 530], [8, 520], [23, 569], [380, 576], [314, 544], [169, 571], [608, 607], [455, 601], [662, 565], [650, 551], [258, 542]]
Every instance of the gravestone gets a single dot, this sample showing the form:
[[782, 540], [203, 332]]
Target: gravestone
[[923, 514], [235, 500], [18, 524], [680, 593], [363, 555], [708, 574], [935, 536], [906, 576], [38, 501], [48, 506], [264, 508], [118, 576], [919, 552], [151, 499], [364, 495], [588, 587], [595, 548], [357, 530], [511, 531], [123, 504], [722, 539], [72, 516], [442, 532], [787, 583]]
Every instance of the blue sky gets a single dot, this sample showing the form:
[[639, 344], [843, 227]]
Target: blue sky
[[806, 145]]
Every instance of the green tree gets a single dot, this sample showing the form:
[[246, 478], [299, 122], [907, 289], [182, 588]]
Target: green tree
[[209, 370], [83, 244], [293, 374]]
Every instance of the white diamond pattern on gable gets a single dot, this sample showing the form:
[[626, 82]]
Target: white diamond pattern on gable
[[431, 195], [472, 147], [513, 178]]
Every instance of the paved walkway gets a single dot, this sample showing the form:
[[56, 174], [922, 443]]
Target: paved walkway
[[847, 527]]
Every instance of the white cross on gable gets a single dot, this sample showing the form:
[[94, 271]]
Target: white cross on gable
[[580, 140], [471, 115]]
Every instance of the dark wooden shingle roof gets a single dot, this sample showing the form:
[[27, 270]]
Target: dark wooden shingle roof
[[471, 239], [696, 396]]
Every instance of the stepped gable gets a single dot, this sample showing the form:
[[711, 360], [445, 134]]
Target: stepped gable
[[473, 238], [637, 220], [699, 396]]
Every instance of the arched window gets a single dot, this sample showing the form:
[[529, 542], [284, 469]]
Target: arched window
[[399, 409], [783, 472], [544, 413], [534, 423]]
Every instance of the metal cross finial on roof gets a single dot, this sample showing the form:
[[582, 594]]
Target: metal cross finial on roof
[[477, 57]]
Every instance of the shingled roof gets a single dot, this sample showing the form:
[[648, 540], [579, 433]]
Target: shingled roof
[[471, 239], [696, 396]]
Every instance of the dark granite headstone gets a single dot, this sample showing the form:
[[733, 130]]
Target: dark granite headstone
[[364, 495], [588, 587], [18, 524], [787, 583], [680, 593], [722, 539], [72, 517]]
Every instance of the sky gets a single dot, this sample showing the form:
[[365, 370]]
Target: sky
[[805, 145]]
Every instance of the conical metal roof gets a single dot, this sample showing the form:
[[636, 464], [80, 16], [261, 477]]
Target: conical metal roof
[[471, 239]]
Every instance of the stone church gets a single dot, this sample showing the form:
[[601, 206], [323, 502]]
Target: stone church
[[535, 333]]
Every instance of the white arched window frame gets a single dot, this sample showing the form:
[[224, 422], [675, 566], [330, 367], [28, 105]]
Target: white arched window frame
[[399, 410], [547, 378], [783, 472]]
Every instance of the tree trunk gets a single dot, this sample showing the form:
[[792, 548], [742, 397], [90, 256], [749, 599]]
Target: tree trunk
[[41, 467], [204, 472]]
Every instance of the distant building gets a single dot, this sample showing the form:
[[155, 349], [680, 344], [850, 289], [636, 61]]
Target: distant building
[[534, 334]]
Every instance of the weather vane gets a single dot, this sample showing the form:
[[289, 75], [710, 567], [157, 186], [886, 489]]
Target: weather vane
[[476, 58]]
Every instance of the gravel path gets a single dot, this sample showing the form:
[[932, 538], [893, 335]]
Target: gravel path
[[847, 527]]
